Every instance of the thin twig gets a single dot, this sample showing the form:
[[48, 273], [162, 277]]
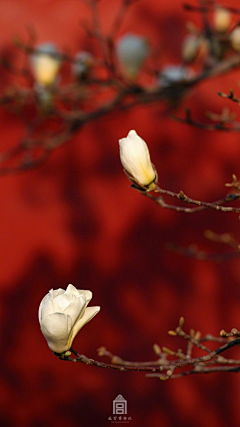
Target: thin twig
[[184, 198]]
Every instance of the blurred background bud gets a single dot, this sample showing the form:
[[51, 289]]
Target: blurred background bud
[[190, 48], [174, 73], [221, 19], [235, 39], [82, 65], [131, 51], [45, 62]]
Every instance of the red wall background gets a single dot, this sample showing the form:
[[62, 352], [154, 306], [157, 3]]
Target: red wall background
[[76, 220]]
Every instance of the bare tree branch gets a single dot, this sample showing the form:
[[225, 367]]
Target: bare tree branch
[[163, 368]]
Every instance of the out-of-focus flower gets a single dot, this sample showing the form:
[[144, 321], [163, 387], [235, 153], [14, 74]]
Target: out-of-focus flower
[[235, 39], [45, 62], [62, 314], [82, 65], [190, 48], [221, 19], [131, 51], [173, 74], [135, 158]]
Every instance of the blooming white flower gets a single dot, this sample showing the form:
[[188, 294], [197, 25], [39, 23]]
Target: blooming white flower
[[45, 62], [173, 74], [131, 51], [83, 62], [136, 160], [62, 314]]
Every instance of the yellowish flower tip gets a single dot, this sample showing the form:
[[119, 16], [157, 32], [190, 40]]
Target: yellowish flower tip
[[192, 333], [181, 195], [116, 360], [101, 351], [157, 349], [234, 177], [173, 333], [163, 377], [152, 186], [181, 321], [197, 335], [168, 351], [67, 353]]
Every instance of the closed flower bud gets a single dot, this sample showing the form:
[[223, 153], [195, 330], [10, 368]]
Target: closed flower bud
[[62, 314], [131, 51], [45, 64], [221, 19], [190, 48], [173, 74], [235, 39], [135, 159], [82, 65]]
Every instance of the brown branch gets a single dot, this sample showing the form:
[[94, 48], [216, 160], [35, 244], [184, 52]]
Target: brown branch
[[224, 238], [162, 368], [74, 112], [221, 123], [193, 252], [184, 198]]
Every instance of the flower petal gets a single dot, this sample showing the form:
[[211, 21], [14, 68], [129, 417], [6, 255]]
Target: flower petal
[[56, 329], [51, 294], [90, 312], [61, 302], [72, 290], [76, 309], [88, 296]]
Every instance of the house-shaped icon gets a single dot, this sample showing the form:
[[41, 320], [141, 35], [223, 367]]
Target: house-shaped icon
[[120, 405]]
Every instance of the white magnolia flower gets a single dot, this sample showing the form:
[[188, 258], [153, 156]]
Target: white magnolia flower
[[62, 314], [136, 160], [82, 65], [131, 51], [45, 63], [174, 74]]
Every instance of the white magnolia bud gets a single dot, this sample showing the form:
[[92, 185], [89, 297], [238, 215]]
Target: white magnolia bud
[[190, 48], [173, 74], [131, 51], [62, 314], [45, 62], [135, 159], [235, 39], [221, 19], [82, 65]]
